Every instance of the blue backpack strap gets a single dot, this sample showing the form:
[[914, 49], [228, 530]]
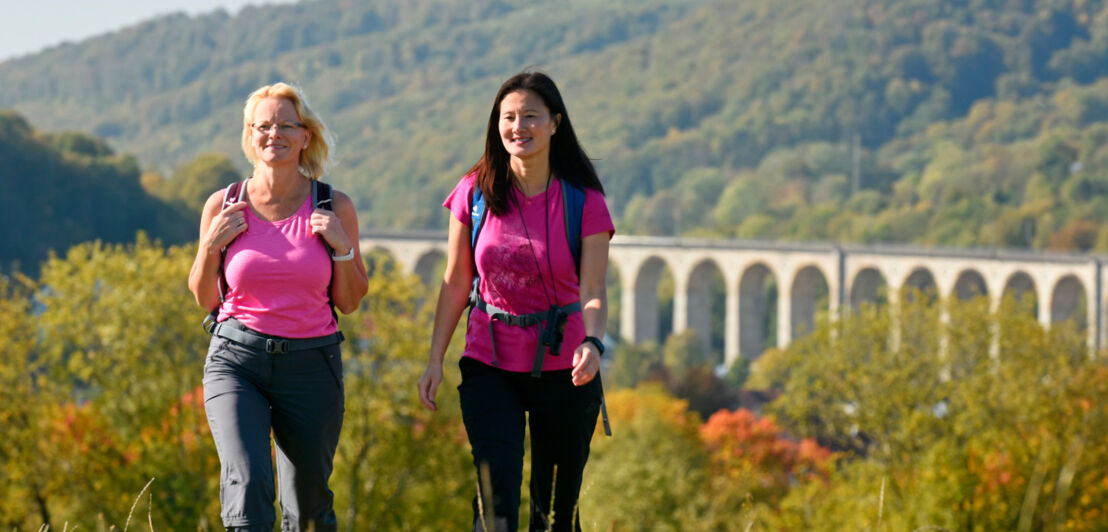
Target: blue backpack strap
[[477, 211], [573, 207]]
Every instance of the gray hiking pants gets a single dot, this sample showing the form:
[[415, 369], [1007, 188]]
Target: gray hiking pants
[[299, 396]]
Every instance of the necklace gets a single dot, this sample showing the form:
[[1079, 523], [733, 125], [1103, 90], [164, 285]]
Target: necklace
[[531, 245]]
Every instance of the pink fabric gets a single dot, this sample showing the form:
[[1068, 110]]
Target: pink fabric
[[510, 277], [278, 274]]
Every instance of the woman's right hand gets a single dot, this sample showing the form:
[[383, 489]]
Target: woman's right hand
[[226, 225], [453, 296], [429, 385]]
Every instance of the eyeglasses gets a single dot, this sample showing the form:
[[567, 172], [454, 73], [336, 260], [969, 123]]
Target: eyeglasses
[[282, 127]]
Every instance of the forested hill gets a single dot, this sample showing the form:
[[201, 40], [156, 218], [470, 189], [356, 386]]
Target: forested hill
[[57, 190], [958, 123]]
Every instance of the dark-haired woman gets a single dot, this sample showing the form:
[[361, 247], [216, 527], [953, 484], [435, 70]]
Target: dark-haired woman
[[532, 353]]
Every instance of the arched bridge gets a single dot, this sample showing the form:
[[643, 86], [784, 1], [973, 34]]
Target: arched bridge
[[776, 289]]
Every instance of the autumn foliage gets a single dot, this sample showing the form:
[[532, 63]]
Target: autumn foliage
[[932, 414], [759, 455]]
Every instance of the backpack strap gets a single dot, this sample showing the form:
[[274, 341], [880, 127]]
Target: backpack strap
[[321, 199], [232, 194], [573, 205], [573, 208], [477, 211], [476, 216]]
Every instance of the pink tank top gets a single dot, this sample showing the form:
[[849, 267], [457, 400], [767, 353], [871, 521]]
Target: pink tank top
[[278, 274]]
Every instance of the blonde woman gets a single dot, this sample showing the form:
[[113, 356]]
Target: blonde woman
[[269, 267]]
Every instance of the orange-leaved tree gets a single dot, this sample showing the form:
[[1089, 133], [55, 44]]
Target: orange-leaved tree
[[756, 454]]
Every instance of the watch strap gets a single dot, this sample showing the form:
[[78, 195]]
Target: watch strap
[[595, 341]]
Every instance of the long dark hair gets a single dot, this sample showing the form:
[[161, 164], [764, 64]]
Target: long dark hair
[[568, 160]]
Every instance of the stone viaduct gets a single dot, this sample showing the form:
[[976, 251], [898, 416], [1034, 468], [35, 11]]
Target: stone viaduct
[[809, 278]]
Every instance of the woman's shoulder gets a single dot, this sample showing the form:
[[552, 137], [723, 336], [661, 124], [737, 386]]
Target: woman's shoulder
[[214, 203], [594, 198], [459, 199], [341, 199]]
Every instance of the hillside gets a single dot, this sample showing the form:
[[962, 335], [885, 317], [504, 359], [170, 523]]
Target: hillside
[[961, 123], [57, 190]]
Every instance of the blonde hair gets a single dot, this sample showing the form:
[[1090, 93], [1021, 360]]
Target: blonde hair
[[314, 159]]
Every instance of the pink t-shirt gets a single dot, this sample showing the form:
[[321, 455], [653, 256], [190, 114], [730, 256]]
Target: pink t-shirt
[[278, 275], [513, 277]]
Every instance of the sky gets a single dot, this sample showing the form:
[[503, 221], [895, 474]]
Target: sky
[[29, 26]]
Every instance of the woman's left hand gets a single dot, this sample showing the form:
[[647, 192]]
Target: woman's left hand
[[586, 363], [327, 225]]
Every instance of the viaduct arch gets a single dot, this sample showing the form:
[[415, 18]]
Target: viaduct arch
[[809, 279]]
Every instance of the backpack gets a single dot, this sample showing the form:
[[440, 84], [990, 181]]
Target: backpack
[[321, 199], [573, 206]]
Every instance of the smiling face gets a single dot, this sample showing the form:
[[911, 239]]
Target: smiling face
[[526, 125], [276, 134]]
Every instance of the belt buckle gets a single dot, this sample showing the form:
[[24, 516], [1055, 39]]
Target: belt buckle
[[276, 346]]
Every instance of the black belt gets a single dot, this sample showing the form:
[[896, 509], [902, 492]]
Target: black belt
[[536, 318], [236, 332], [524, 320]]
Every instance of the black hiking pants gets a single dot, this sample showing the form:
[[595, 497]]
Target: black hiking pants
[[497, 407]]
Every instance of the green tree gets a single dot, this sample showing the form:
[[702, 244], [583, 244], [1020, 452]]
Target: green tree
[[632, 364], [984, 422], [650, 475], [102, 378], [61, 189], [122, 345], [398, 464], [684, 352], [195, 180], [26, 487]]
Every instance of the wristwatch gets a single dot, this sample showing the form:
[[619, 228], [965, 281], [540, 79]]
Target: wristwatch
[[595, 341], [341, 258]]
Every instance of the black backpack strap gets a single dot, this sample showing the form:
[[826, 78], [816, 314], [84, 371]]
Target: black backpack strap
[[232, 194], [322, 199]]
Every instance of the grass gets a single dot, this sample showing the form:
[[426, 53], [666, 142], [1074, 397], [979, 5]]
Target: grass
[[127, 524]]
